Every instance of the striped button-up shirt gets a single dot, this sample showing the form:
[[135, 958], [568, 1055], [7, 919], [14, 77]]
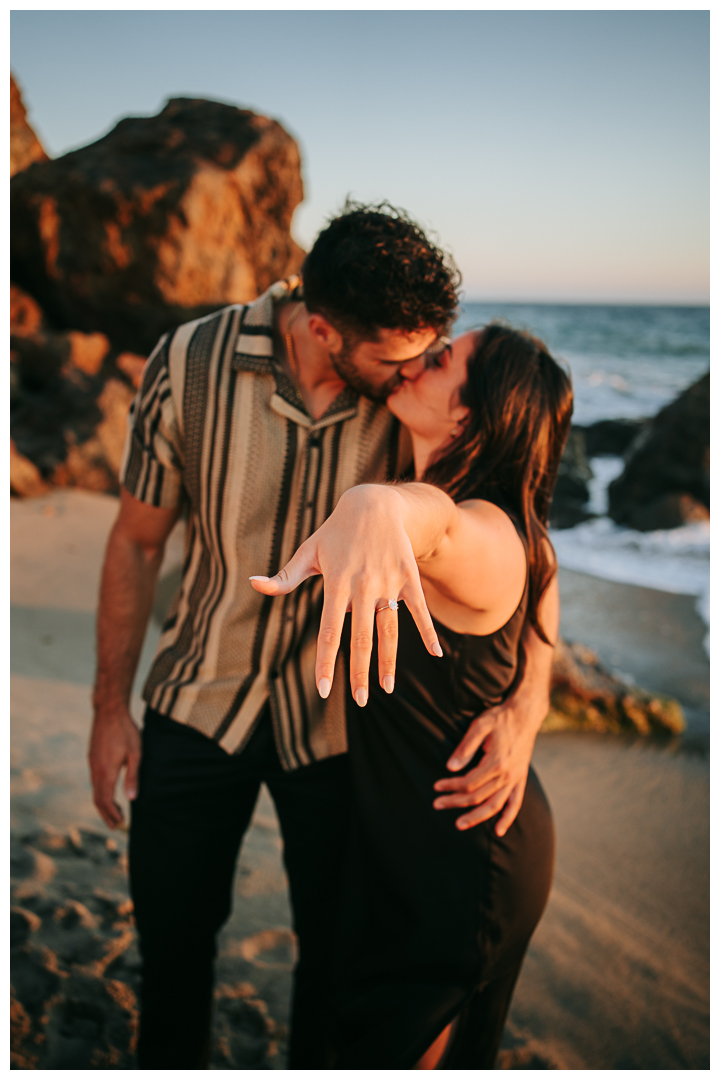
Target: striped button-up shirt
[[217, 424]]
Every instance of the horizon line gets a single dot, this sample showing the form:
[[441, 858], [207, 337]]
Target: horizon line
[[589, 303]]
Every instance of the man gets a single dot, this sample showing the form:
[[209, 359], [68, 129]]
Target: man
[[257, 418]]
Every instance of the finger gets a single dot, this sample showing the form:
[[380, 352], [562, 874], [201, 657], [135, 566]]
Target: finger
[[131, 777], [104, 798], [302, 566], [331, 625], [511, 811], [469, 745], [469, 796], [361, 643], [414, 599], [387, 631], [483, 813], [488, 769]]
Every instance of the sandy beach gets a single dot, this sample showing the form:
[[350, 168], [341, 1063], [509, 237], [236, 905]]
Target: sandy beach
[[617, 976]]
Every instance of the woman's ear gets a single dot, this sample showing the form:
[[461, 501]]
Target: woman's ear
[[459, 415]]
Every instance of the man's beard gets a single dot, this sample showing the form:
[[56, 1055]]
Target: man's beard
[[345, 367]]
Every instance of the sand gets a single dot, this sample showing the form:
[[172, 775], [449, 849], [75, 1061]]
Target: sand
[[617, 973]]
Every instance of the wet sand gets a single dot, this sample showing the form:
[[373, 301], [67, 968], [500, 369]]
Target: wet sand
[[617, 973]]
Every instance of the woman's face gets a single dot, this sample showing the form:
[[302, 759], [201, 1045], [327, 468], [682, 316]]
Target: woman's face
[[429, 405]]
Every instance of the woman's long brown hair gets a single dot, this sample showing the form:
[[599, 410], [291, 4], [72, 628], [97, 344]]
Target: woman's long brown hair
[[508, 452]]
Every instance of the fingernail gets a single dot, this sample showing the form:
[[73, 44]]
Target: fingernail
[[388, 684], [324, 687], [131, 794], [454, 763], [439, 804], [361, 696], [461, 824], [258, 577], [436, 649]]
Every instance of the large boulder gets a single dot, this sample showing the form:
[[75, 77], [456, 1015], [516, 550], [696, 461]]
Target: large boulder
[[25, 147], [163, 219], [666, 480]]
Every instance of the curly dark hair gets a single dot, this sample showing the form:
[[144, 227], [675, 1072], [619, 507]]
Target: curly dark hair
[[372, 267]]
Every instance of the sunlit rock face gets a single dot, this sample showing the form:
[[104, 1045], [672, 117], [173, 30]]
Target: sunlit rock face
[[25, 147], [163, 219]]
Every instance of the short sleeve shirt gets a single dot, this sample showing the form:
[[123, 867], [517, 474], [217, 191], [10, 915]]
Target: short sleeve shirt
[[218, 425]]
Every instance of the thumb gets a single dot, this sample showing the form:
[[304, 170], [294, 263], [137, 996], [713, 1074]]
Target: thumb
[[301, 566], [471, 743], [131, 776]]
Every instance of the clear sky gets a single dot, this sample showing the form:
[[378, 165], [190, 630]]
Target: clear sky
[[560, 155]]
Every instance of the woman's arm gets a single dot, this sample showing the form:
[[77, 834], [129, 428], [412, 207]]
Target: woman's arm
[[471, 559], [375, 545]]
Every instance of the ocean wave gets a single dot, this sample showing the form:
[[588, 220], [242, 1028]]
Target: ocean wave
[[626, 361]]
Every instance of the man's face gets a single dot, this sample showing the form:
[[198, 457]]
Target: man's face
[[376, 368]]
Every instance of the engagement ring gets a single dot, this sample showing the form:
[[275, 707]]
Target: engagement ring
[[392, 604]]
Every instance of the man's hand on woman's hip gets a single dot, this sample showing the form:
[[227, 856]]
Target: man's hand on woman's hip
[[506, 734], [498, 781]]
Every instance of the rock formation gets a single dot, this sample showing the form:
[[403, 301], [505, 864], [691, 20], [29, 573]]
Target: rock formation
[[571, 490], [666, 480], [163, 219], [69, 394], [586, 697], [25, 146], [607, 438]]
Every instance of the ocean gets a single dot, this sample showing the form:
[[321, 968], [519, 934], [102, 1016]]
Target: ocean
[[626, 362]]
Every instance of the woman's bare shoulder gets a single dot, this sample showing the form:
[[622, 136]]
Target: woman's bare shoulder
[[479, 577]]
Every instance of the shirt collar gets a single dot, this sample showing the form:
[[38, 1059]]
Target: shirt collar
[[254, 352]]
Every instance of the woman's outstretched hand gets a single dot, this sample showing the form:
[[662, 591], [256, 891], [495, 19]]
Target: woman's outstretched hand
[[366, 558]]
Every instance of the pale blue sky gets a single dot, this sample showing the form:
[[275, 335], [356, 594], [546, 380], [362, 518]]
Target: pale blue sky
[[560, 155]]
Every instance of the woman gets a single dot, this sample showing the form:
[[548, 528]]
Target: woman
[[437, 918]]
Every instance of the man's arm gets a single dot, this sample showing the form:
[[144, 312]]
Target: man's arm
[[132, 561], [507, 735]]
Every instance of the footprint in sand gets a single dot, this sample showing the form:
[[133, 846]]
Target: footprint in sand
[[267, 949]]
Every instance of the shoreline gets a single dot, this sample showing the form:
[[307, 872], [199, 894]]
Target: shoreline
[[654, 637]]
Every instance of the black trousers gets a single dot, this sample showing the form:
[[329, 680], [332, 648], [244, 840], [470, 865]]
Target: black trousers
[[193, 807]]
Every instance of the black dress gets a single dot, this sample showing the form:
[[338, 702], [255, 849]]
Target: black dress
[[435, 921]]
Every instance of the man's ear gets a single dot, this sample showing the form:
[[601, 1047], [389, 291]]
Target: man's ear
[[324, 333]]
